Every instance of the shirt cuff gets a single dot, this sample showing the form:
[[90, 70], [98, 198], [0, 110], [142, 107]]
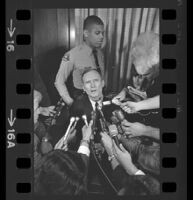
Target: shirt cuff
[[139, 172], [84, 150]]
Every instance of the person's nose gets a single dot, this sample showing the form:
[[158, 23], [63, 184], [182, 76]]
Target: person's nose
[[92, 84], [101, 36]]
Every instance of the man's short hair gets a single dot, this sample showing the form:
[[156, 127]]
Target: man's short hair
[[90, 20], [88, 69], [61, 173]]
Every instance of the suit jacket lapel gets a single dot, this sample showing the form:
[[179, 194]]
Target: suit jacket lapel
[[87, 107]]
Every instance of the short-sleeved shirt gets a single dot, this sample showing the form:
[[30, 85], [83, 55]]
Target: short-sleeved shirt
[[75, 61]]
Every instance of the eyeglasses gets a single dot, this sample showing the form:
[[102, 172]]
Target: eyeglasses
[[140, 76]]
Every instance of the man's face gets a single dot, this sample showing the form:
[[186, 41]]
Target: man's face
[[93, 85], [94, 35]]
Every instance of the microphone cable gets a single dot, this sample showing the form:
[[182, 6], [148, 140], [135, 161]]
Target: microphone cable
[[103, 172]]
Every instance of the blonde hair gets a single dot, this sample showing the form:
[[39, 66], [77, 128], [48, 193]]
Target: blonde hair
[[146, 48]]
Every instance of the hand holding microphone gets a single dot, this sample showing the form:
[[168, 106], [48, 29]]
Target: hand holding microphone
[[87, 131], [61, 142], [114, 134]]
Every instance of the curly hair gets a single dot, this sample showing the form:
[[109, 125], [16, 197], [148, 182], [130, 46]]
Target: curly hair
[[145, 49], [61, 173]]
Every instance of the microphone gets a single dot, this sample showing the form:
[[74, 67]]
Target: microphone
[[63, 139], [113, 133], [105, 103], [84, 117], [76, 120], [103, 125], [93, 117], [119, 115], [99, 108], [117, 123], [102, 120]]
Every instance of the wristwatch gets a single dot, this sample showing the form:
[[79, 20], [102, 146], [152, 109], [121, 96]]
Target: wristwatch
[[110, 158], [45, 139]]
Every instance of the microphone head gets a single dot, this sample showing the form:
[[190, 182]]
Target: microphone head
[[77, 118], [99, 106], [119, 114], [113, 130], [114, 119], [93, 115], [105, 103], [84, 117], [72, 119]]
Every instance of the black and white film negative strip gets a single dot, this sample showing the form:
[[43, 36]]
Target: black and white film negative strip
[[49, 75]]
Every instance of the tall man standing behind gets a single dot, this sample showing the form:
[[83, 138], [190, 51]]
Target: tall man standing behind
[[84, 55]]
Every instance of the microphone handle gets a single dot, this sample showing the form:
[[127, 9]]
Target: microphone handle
[[120, 129], [94, 122], [62, 140], [103, 125], [116, 141]]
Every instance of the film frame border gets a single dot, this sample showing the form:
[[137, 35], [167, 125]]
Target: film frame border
[[20, 134]]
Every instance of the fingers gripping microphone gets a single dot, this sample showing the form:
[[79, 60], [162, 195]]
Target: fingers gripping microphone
[[113, 133]]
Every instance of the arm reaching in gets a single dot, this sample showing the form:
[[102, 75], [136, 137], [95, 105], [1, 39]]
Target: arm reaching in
[[139, 129], [147, 104]]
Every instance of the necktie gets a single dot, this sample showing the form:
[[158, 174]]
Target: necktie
[[96, 106], [96, 58]]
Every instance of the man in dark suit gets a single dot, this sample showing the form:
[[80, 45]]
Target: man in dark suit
[[93, 97], [92, 100]]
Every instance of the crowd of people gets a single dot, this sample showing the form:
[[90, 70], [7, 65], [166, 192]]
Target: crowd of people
[[108, 150]]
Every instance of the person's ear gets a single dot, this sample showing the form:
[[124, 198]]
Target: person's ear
[[83, 88], [85, 32], [103, 83]]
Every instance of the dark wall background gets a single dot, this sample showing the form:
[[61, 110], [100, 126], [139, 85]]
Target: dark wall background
[[51, 41]]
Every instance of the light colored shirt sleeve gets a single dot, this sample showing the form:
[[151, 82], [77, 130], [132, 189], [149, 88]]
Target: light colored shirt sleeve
[[84, 150], [139, 172], [64, 71]]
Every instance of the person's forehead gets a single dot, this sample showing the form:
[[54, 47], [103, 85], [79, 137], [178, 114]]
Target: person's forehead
[[91, 75], [96, 27]]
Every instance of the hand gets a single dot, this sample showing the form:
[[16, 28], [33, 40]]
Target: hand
[[68, 100], [61, 144], [135, 129], [87, 131], [124, 159], [47, 111], [50, 122], [120, 97], [130, 107], [46, 147], [107, 143]]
